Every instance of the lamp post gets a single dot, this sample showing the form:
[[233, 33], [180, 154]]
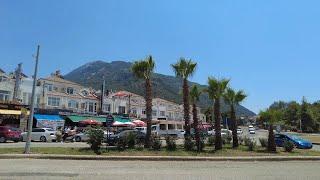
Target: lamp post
[[30, 122]]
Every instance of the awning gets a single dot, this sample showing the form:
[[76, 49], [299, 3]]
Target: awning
[[122, 119], [45, 117], [49, 121], [75, 118], [11, 112]]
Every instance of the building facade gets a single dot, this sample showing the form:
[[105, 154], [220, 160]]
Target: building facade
[[58, 93]]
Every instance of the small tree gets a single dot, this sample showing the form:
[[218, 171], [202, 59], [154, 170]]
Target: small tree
[[184, 69], [96, 136], [216, 90], [143, 69], [271, 116], [194, 97], [234, 98]]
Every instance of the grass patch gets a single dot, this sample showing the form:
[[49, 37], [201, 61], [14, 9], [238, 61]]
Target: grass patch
[[208, 152]]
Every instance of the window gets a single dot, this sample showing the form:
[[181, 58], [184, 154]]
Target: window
[[49, 87], [162, 113], [134, 111], [53, 101], [91, 106], [3, 78], [106, 107], [84, 93], [144, 112], [154, 112], [69, 90], [122, 110], [163, 127], [4, 95], [73, 104], [171, 126]]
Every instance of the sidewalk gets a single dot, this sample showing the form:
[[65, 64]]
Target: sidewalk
[[158, 158]]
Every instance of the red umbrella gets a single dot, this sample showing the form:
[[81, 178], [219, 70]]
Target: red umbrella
[[139, 123], [90, 122]]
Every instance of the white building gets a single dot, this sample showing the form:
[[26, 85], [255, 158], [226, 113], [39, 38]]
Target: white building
[[124, 102]]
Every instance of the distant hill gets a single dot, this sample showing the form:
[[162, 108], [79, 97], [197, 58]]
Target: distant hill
[[118, 77]]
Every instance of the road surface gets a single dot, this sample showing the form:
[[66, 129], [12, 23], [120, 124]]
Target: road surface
[[156, 170]]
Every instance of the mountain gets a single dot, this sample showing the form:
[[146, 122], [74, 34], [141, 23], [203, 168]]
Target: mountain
[[117, 76]]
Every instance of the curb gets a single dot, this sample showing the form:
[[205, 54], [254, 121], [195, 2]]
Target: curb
[[158, 158], [316, 143]]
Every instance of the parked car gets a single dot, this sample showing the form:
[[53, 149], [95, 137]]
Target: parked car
[[141, 129], [9, 133], [224, 133], [239, 131], [252, 130], [114, 138], [83, 137], [41, 134], [296, 140]]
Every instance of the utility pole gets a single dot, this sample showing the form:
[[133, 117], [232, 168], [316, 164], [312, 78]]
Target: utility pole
[[17, 83], [28, 142]]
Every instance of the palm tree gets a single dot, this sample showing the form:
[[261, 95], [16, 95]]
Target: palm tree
[[143, 69], [216, 90], [185, 69], [194, 97], [272, 116], [233, 98]]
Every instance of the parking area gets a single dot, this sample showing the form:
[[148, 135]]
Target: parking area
[[260, 133]]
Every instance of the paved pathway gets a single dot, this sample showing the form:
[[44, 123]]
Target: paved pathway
[[141, 170]]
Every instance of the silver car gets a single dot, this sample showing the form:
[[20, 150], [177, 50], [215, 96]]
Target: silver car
[[41, 134], [83, 137]]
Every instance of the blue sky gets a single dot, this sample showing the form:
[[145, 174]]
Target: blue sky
[[268, 48]]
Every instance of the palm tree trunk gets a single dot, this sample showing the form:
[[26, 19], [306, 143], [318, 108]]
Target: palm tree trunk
[[235, 142], [196, 126], [148, 111], [271, 142], [186, 107], [217, 124]]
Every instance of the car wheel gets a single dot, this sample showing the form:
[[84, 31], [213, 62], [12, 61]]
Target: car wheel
[[78, 139], [43, 139], [2, 140]]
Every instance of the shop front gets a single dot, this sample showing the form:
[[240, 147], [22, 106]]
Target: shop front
[[14, 115]]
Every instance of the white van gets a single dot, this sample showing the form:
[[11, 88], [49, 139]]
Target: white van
[[141, 129], [170, 129]]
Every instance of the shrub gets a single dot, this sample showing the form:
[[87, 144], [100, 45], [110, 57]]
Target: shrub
[[252, 145], [188, 144], [211, 140], [246, 141], [156, 143], [226, 140], [95, 139], [121, 144], [171, 143], [263, 142], [202, 145], [240, 140], [288, 146], [59, 136], [131, 140]]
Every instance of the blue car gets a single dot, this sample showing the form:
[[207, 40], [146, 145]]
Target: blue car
[[296, 140]]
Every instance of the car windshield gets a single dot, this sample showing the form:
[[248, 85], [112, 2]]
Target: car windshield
[[295, 137], [14, 129], [50, 129]]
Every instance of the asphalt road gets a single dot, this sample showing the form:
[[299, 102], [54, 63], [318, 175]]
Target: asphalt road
[[156, 170]]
